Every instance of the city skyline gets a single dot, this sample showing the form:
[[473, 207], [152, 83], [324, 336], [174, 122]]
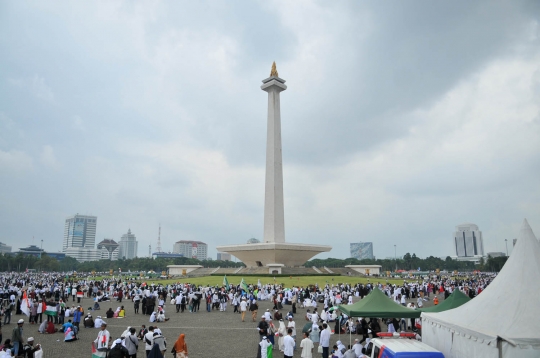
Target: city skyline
[[406, 119]]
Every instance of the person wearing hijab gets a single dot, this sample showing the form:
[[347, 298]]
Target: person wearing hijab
[[155, 352], [282, 330], [98, 322], [69, 335], [180, 347], [50, 328], [42, 327], [126, 332], [153, 317]]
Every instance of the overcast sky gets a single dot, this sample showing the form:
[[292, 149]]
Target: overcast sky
[[401, 120]]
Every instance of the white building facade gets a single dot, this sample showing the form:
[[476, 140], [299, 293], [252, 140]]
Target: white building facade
[[128, 246], [468, 241], [192, 249]]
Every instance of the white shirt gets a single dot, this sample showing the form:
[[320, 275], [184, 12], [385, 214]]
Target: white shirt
[[307, 346], [293, 326], [150, 337], [325, 338], [288, 346], [243, 305], [102, 340]]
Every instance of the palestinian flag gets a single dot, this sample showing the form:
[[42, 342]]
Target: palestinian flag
[[50, 310], [96, 353]]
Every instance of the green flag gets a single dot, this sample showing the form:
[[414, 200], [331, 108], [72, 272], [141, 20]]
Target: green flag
[[244, 285], [226, 283]]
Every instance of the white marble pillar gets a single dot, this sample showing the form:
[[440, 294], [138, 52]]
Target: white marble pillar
[[274, 222]]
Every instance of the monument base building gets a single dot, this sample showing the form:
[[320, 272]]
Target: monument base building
[[270, 253]]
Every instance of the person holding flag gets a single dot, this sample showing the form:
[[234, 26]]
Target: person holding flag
[[244, 286], [101, 344]]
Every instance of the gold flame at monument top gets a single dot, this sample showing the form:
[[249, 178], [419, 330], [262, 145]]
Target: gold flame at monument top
[[273, 72]]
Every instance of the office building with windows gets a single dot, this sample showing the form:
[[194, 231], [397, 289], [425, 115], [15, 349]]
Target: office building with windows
[[192, 249], [80, 238], [80, 231], [128, 246], [468, 240], [362, 250]]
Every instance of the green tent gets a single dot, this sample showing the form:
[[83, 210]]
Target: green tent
[[378, 305], [456, 299]]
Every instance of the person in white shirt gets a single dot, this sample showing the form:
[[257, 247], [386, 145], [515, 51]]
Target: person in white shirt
[[307, 347], [292, 325], [243, 308], [357, 348], [325, 341], [149, 340], [288, 345], [98, 322], [103, 338]]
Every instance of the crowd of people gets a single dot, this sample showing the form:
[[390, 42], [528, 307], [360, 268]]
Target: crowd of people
[[52, 302]]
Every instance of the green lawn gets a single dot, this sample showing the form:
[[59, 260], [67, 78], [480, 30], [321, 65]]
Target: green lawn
[[287, 281]]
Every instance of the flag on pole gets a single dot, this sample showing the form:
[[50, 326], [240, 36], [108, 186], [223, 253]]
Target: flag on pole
[[226, 282], [25, 305], [244, 285]]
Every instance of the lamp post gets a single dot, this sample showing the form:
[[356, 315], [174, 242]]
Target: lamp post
[[506, 243], [395, 256], [40, 252]]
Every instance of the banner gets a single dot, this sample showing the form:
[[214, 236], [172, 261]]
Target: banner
[[226, 282]]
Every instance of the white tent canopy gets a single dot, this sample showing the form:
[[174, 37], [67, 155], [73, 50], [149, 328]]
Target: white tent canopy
[[503, 320]]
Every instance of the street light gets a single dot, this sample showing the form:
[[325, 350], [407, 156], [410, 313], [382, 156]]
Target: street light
[[41, 248], [506, 242]]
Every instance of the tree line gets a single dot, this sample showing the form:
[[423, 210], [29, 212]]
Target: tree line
[[412, 262], [21, 262]]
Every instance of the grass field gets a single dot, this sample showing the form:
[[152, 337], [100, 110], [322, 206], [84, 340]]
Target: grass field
[[286, 281]]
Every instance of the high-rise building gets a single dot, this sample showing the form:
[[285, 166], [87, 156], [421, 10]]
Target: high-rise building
[[80, 238], [223, 257], [362, 250], [468, 240], [128, 246], [192, 249], [4, 248], [80, 231]]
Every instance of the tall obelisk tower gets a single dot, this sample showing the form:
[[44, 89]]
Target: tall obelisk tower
[[274, 222]]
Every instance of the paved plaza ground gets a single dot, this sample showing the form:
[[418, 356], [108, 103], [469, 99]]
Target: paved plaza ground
[[214, 334]]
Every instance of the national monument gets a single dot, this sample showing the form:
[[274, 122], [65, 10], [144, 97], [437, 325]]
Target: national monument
[[274, 252]]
